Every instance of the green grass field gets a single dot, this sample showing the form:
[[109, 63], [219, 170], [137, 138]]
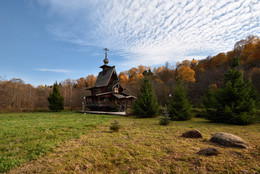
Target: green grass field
[[28, 136], [77, 143]]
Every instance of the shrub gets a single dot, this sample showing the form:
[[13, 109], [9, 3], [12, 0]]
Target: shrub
[[115, 126]]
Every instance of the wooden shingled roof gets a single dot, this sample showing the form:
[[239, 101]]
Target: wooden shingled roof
[[104, 77]]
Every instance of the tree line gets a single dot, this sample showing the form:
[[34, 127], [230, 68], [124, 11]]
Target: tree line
[[235, 103], [198, 75], [18, 96]]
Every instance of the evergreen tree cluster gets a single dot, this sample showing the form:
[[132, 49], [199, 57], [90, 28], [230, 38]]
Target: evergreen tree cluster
[[233, 104], [55, 99], [146, 104]]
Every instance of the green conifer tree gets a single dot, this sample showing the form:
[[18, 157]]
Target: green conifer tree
[[235, 103], [209, 99], [146, 104], [179, 107], [55, 99]]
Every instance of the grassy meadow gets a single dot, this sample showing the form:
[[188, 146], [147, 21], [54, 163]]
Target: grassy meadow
[[78, 143], [28, 136]]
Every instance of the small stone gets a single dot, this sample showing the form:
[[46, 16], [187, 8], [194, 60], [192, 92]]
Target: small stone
[[227, 139], [209, 151], [192, 134]]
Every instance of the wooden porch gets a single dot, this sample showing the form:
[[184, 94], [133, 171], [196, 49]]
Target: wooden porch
[[102, 112]]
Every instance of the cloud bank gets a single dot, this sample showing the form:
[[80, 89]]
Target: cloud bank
[[54, 70], [151, 32]]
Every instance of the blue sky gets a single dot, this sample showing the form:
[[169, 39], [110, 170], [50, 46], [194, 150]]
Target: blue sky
[[42, 41]]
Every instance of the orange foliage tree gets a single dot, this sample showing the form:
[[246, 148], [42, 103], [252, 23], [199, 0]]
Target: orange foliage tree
[[257, 51], [132, 72], [81, 82], [249, 49], [218, 60], [91, 80], [163, 74], [123, 78], [136, 74]]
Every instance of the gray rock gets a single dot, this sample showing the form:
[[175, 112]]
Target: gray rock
[[192, 134], [209, 151], [230, 140]]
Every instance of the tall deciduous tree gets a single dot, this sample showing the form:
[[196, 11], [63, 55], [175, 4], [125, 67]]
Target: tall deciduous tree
[[91, 80], [56, 100], [123, 78], [235, 103], [81, 82], [146, 104], [179, 107], [186, 73]]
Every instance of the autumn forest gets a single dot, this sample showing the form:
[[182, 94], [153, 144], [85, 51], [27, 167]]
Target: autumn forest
[[198, 75]]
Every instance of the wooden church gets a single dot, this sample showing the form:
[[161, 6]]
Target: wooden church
[[107, 94]]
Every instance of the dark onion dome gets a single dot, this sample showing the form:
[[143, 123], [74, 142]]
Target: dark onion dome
[[106, 61]]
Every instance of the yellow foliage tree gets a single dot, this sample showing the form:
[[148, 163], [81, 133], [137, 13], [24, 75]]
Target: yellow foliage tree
[[186, 73]]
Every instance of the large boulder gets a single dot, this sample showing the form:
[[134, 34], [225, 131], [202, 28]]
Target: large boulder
[[209, 151], [230, 140], [192, 134]]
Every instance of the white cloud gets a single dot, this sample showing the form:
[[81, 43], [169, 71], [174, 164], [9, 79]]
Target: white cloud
[[54, 70], [151, 32]]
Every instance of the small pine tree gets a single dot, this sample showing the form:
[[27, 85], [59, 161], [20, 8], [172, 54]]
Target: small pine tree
[[165, 119], [146, 104], [55, 99], [179, 107], [235, 103]]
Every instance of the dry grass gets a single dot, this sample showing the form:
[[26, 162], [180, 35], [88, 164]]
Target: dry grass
[[144, 146]]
